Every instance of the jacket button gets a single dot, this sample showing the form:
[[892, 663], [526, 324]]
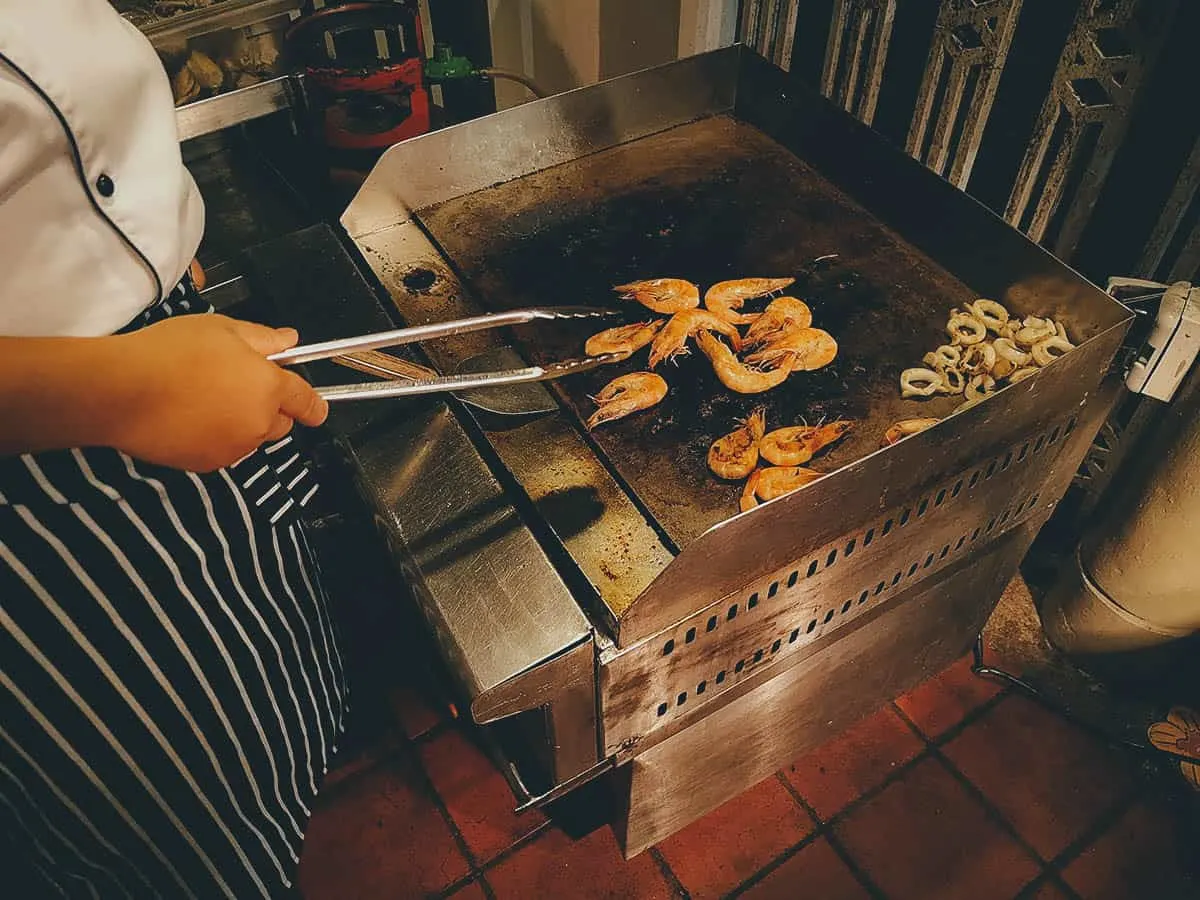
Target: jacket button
[[105, 186]]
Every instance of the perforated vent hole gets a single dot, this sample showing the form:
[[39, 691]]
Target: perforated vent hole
[[1041, 442], [862, 598], [975, 535], [974, 480], [904, 517], [702, 687], [681, 699], [945, 552], [896, 578], [712, 624], [924, 505], [668, 647], [829, 617], [928, 561], [811, 626], [991, 469], [752, 602], [662, 709], [1054, 435], [940, 498], [846, 606], [793, 578], [794, 636], [912, 570], [831, 558], [774, 589], [741, 664], [879, 588], [962, 540], [732, 614], [1071, 423], [957, 488], [887, 526], [758, 655], [1007, 461], [868, 537], [849, 548], [690, 636], [720, 677], [1024, 451], [812, 569], [991, 525], [775, 646]]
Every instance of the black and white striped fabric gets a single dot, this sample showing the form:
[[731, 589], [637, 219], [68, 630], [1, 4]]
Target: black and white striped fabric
[[171, 688]]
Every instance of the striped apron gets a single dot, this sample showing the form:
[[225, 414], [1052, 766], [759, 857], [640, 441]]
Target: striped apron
[[171, 689]]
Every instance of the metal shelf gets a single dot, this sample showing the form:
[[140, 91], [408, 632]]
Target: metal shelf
[[222, 17], [235, 107]]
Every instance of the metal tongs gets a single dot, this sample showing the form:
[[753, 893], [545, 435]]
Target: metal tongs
[[449, 383]]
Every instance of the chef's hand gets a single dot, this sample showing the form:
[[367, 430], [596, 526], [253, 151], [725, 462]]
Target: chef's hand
[[197, 392]]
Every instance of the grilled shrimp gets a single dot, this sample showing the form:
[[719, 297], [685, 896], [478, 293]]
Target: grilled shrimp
[[904, 428], [726, 297], [623, 338], [797, 444], [663, 295], [781, 313], [748, 500], [735, 375], [809, 348], [779, 480], [672, 340], [627, 394], [735, 455]]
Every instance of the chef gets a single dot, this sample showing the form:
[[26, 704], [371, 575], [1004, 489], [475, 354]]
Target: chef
[[170, 684]]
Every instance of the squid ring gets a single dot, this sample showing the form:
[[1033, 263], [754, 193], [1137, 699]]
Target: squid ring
[[1045, 352], [952, 381], [1022, 374], [979, 358], [964, 328], [1034, 330], [980, 387], [1006, 349], [919, 382], [944, 357], [990, 313]]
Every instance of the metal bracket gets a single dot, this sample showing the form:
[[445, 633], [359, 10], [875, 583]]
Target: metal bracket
[[1169, 350]]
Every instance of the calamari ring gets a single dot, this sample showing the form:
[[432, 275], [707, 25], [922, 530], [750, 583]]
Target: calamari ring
[[980, 386], [979, 358], [1003, 368], [990, 313], [1043, 351], [919, 382], [1022, 374], [1034, 330], [953, 381], [944, 357], [1006, 349], [965, 329]]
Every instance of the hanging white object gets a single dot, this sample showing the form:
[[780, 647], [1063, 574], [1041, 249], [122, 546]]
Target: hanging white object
[[1173, 343]]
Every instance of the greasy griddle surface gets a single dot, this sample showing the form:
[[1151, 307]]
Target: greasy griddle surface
[[706, 201]]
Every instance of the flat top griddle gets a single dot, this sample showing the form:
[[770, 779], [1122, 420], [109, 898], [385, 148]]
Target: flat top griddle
[[706, 201]]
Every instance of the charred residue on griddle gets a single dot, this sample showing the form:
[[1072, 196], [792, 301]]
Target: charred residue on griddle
[[419, 280], [708, 201]]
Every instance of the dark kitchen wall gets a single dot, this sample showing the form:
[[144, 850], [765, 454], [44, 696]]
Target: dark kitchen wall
[[1076, 120]]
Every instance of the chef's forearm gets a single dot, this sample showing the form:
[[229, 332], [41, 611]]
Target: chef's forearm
[[60, 392]]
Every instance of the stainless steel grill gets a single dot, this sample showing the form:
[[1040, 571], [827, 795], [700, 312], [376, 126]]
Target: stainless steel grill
[[594, 593]]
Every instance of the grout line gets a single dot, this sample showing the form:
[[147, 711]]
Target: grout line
[[665, 868], [989, 808], [520, 844], [458, 885], [855, 869], [1099, 827], [486, 887], [436, 798], [774, 864], [800, 801]]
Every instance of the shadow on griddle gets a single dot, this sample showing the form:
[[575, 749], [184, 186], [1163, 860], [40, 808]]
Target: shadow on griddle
[[571, 509]]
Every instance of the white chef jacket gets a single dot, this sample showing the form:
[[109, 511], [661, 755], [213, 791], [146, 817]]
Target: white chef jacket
[[99, 218]]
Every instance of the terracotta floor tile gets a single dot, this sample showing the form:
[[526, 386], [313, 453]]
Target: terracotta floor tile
[[941, 702], [718, 852], [1141, 856], [476, 794], [856, 761], [381, 834], [816, 871], [1048, 778], [925, 837], [592, 868]]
